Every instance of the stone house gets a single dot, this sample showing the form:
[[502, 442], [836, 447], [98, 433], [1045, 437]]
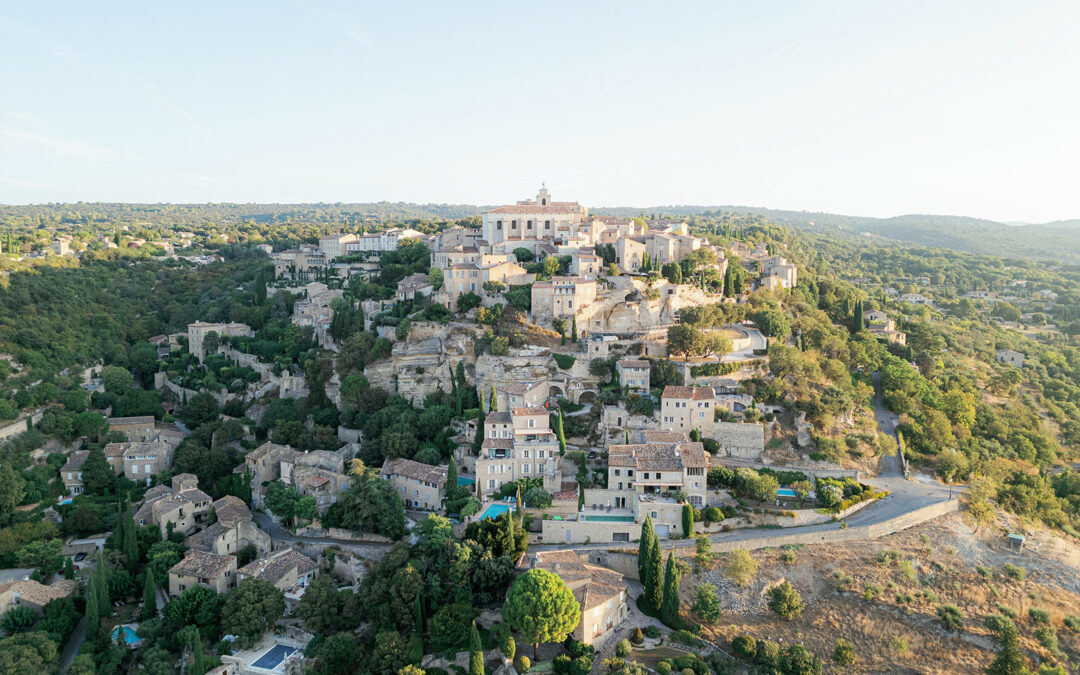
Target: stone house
[[139, 461], [687, 408], [420, 486], [413, 286], [71, 472], [228, 538], [585, 263], [599, 592], [562, 298], [139, 429], [778, 266], [633, 373], [1011, 357], [521, 394], [33, 594], [529, 222], [518, 443], [183, 504], [198, 568], [464, 278], [286, 569], [333, 245], [197, 332]]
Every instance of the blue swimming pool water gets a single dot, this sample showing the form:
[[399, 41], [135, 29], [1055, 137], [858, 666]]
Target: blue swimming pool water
[[130, 637], [494, 511], [786, 492], [462, 481], [66, 501], [273, 657]]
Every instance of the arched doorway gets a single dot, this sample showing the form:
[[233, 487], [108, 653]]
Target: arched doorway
[[587, 397]]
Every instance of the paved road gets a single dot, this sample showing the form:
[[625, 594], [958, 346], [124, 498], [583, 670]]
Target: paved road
[[280, 534], [78, 637]]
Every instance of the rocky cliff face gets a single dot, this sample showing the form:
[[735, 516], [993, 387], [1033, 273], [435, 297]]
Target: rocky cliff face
[[421, 366]]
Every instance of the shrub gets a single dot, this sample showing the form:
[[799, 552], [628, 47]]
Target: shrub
[[652, 632], [745, 645], [887, 558], [561, 664], [637, 637], [899, 644], [1048, 638], [984, 571], [1072, 622], [686, 637], [565, 361], [522, 663], [785, 601], [951, 616], [844, 653], [1015, 571], [906, 570], [664, 668], [871, 591], [622, 648], [787, 557], [687, 671], [741, 567], [1039, 615], [1006, 610]]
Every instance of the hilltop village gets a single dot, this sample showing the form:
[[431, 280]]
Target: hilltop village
[[397, 451]]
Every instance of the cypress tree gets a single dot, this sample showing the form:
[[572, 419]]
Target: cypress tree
[[644, 542], [198, 667], [493, 406], [69, 569], [520, 510], [688, 520], [627, 432], [562, 436], [130, 542], [102, 586], [476, 652], [669, 607], [418, 611], [857, 317], [93, 614], [149, 597], [478, 440], [654, 590], [573, 330], [451, 476]]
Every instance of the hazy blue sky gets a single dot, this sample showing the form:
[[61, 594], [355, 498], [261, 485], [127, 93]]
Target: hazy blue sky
[[858, 107]]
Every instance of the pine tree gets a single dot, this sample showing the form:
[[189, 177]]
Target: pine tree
[[561, 435], [1010, 657], [476, 652], [669, 607], [149, 597], [573, 330]]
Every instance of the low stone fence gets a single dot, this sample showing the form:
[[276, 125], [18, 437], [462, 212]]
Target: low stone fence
[[19, 425]]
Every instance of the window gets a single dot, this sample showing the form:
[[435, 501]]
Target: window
[[547, 224], [491, 485], [525, 454], [524, 468], [532, 423], [541, 467], [528, 225], [618, 472], [498, 225]]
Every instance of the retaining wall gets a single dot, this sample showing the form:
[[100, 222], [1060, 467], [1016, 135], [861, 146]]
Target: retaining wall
[[19, 425]]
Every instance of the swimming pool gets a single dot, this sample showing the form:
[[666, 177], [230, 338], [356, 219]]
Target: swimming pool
[[610, 519], [495, 510], [273, 657], [462, 481], [786, 492], [130, 637]]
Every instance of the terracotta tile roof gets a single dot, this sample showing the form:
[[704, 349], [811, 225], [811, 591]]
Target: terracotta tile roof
[[204, 541], [519, 387], [530, 412], [75, 461], [203, 565], [498, 443], [658, 456], [695, 393], [39, 594], [264, 450], [591, 585], [656, 436], [275, 566], [230, 509], [147, 419], [634, 363], [424, 473], [497, 417]]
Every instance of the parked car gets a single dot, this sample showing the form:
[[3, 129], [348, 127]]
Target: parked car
[[79, 557]]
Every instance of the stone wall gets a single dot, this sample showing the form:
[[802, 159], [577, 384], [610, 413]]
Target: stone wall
[[19, 425]]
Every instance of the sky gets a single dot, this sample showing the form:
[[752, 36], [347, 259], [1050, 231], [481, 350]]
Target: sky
[[861, 107]]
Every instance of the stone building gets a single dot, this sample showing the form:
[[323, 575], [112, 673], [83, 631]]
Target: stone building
[[198, 568], [633, 373], [563, 298], [530, 222], [139, 429], [687, 408], [197, 332], [517, 444], [420, 486], [599, 592]]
